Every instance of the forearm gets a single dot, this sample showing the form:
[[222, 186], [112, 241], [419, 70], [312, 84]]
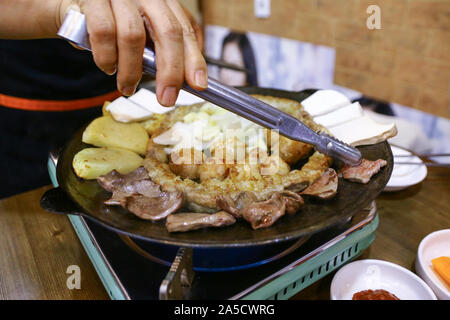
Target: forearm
[[29, 19], [118, 34]]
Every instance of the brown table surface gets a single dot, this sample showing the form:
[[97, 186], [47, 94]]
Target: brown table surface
[[37, 247]]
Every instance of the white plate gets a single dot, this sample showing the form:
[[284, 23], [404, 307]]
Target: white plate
[[436, 244], [377, 274], [403, 175]]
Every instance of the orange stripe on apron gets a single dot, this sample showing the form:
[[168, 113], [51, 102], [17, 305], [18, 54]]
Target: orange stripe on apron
[[56, 105]]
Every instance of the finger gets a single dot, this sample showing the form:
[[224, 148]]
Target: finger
[[102, 33], [194, 63], [197, 28], [167, 36], [130, 33], [198, 33]]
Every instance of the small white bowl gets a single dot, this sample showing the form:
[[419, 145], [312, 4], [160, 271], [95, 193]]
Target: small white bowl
[[377, 274], [403, 175], [436, 244]]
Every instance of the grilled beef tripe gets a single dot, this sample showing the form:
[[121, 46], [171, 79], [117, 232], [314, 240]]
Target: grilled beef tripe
[[263, 214], [364, 171], [292, 200], [324, 187], [181, 222], [204, 194], [137, 193]]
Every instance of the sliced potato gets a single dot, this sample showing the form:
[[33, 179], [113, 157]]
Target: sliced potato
[[91, 163], [106, 132]]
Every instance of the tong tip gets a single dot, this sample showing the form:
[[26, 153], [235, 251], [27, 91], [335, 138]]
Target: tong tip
[[339, 149]]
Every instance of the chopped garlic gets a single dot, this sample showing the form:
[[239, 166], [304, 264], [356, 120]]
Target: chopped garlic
[[209, 126]]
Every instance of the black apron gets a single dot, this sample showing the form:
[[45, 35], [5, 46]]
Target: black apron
[[48, 69]]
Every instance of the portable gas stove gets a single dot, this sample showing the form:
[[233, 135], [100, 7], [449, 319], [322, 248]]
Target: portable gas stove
[[134, 269]]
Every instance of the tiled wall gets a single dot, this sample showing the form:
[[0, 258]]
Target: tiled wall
[[407, 61]]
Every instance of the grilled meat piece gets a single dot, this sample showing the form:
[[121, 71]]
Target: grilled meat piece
[[204, 194], [263, 214], [137, 193], [364, 171], [213, 168], [154, 208], [114, 179], [186, 162], [293, 201], [290, 151], [234, 207], [156, 151], [325, 187], [182, 222], [125, 185]]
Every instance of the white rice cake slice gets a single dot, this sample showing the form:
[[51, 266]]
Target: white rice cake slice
[[124, 110], [324, 101], [143, 104], [186, 98], [341, 115], [363, 131], [148, 100]]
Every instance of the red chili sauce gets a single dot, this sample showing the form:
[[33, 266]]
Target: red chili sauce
[[379, 294]]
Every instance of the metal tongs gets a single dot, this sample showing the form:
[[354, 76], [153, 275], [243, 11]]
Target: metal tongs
[[74, 30]]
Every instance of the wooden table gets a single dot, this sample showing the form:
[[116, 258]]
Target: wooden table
[[37, 247], [406, 217]]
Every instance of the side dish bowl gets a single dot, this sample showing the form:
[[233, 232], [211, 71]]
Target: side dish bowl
[[377, 274], [436, 244]]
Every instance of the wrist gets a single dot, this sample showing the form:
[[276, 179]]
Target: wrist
[[60, 8], [28, 19], [51, 17], [47, 18]]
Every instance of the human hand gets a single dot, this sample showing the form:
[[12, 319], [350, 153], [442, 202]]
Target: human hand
[[117, 31]]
